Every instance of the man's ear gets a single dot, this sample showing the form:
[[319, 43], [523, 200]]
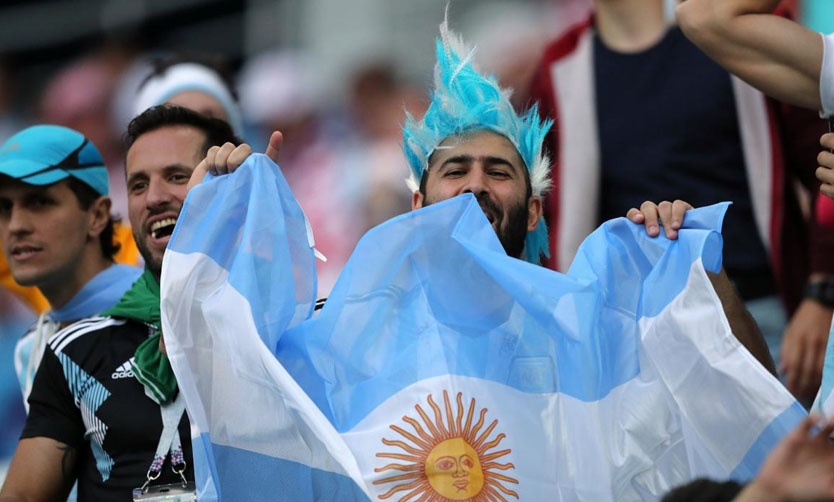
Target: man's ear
[[99, 215], [534, 212], [416, 200]]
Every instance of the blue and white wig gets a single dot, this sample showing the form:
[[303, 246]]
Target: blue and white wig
[[463, 102]]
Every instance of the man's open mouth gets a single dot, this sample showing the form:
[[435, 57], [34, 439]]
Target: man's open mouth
[[163, 228], [488, 213], [490, 209], [20, 252]]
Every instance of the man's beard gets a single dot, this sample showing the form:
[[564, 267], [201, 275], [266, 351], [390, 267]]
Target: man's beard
[[152, 264], [514, 236]]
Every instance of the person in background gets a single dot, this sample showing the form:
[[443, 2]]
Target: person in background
[[57, 233], [792, 63], [780, 57], [642, 114], [193, 83], [78, 97]]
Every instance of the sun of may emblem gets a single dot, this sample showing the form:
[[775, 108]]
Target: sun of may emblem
[[446, 458]]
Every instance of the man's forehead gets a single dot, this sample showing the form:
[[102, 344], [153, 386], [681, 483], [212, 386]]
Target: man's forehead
[[168, 144], [478, 144]]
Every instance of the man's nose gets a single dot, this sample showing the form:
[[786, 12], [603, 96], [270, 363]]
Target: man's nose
[[476, 182], [158, 193], [19, 221]]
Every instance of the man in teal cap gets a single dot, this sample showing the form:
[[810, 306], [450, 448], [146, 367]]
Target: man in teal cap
[[57, 232]]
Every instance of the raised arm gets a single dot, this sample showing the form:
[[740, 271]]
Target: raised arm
[[742, 324], [669, 216], [41, 469], [774, 54]]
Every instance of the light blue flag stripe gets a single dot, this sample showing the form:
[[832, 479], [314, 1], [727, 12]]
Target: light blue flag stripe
[[205, 469], [262, 477], [824, 402], [779, 428]]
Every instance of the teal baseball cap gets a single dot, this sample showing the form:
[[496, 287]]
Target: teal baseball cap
[[47, 154]]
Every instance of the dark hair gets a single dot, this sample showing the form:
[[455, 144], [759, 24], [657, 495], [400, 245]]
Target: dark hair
[[86, 195], [704, 490], [161, 63], [217, 131]]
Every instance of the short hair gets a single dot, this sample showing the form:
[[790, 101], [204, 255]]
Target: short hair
[[86, 195], [217, 131]]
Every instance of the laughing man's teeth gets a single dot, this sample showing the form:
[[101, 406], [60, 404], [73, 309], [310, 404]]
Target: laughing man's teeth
[[162, 224]]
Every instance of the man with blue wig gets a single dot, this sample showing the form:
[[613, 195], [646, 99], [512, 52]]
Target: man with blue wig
[[471, 140]]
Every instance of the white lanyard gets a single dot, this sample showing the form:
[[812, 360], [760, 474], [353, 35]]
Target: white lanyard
[[169, 441]]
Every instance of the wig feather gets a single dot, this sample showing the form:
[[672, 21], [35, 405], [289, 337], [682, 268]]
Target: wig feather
[[464, 101]]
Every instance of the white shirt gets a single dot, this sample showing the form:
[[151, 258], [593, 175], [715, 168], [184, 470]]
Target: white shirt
[[827, 76]]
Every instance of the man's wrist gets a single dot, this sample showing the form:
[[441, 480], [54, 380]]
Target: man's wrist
[[820, 288]]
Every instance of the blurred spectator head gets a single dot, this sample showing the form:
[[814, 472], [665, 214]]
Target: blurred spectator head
[[377, 101], [194, 83], [280, 90], [79, 97]]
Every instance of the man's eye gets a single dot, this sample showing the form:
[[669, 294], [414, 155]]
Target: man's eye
[[499, 174], [179, 178], [453, 173], [137, 187]]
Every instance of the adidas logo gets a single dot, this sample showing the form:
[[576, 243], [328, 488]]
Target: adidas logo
[[123, 371]]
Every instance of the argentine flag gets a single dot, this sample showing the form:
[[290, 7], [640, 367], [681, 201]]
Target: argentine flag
[[440, 369]]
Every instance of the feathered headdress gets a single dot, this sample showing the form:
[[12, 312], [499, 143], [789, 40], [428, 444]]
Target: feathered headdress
[[465, 101]]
